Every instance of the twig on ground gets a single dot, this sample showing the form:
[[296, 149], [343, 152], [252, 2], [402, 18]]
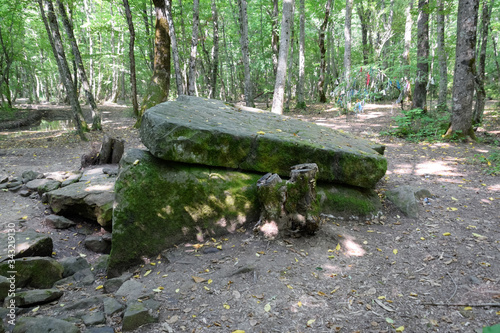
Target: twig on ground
[[454, 292], [462, 304]]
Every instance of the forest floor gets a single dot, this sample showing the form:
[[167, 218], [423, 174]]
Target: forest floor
[[437, 273]]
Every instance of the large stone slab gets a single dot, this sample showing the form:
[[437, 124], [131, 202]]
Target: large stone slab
[[203, 131], [162, 203]]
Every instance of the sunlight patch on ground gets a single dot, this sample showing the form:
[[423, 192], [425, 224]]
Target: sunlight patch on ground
[[494, 188], [435, 168], [351, 248]]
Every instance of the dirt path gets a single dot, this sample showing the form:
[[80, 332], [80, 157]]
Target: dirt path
[[353, 276]]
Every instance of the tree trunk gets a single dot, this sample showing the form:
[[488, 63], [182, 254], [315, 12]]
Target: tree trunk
[[159, 86], [150, 41], [290, 71], [364, 18], [279, 87], [90, 38], [274, 35], [301, 104], [422, 76], [495, 53], [194, 45], [465, 68], [131, 56], [480, 77], [215, 51], [245, 53], [229, 59], [52, 27], [347, 49], [96, 114], [322, 50], [175, 50], [443, 66], [408, 26]]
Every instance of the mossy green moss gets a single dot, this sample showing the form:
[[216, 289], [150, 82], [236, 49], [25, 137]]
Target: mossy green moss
[[348, 201], [161, 203], [36, 272]]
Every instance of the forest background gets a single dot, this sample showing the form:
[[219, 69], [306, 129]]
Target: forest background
[[348, 52]]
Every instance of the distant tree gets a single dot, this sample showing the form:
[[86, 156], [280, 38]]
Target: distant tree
[[465, 70], [175, 50], [322, 50], [347, 44], [301, 104], [245, 52], [422, 77], [443, 66], [194, 45], [131, 57]]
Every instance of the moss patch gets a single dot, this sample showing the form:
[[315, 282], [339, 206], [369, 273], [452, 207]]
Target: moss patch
[[347, 201]]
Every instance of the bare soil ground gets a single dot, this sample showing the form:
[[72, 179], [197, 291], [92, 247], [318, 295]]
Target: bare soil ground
[[437, 273]]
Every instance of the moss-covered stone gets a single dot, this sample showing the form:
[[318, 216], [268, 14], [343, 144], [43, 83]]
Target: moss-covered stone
[[160, 203], [345, 201], [208, 132], [35, 272]]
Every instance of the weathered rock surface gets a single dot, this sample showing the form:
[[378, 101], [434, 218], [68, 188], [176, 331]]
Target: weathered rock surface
[[35, 272], [405, 198], [92, 197], [4, 287], [28, 243], [97, 244], [34, 297], [159, 204], [59, 222], [208, 132], [112, 285], [72, 265], [137, 315], [43, 185], [43, 325]]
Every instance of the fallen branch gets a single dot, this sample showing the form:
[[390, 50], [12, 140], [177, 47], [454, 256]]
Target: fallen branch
[[462, 304]]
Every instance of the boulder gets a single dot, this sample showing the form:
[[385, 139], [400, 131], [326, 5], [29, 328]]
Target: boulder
[[405, 198], [112, 285], [137, 315], [43, 325], [29, 243], [31, 175], [159, 204], [208, 132], [29, 298], [90, 198], [35, 272], [43, 185], [97, 244], [59, 222], [72, 265], [112, 306]]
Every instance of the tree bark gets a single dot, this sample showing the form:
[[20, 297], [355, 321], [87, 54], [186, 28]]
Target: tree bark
[[347, 48], [159, 86], [215, 51], [422, 76], [443, 66], [279, 87], [465, 67], [245, 53], [364, 18], [175, 50], [131, 56], [96, 114], [52, 27], [194, 45], [408, 26], [301, 104], [274, 35], [322, 50], [480, 77]]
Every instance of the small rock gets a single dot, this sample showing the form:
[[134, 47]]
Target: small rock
[[135, 316], [73, 264], [33, 244], [112, 285], [86, 303], [24, 193], [59, 222], [94, 318], [31, 175], [97, 244], [35, 272], [34, 297], [112, 306], [132, 290], [85, 277], [43, 325], [101, 263], [474, 280], [43, 185], [112, 171]]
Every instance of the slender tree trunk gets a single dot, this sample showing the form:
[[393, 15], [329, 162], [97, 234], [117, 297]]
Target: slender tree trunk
[[443, 66], [480, 77], [131, 56], [175, 50], [52, 27], [420, 91], [245, 52], [88, 16], [150, 41], [465, 70], [96, 114], [229, 59], [279, 87], [495, 53], [274, 35], [322, 50], [194, 45], [290, 71], [408, 26], [364, 18], [159, 86], [301, 104], [347, 49], [215, 51]]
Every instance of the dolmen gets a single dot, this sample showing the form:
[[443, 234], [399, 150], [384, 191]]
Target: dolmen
[[197, 179]]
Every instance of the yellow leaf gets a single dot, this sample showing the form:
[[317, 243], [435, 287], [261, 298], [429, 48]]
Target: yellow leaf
[[238, 331], [267, 307], [446, 234], [289, 286], [226, 306], [413, 294], [296, 260], [261, 133], [422, 238], [219, 247], [206, 288], [451, 209], [321, 293], [468, 308], [299, 304], [210, 281], [498, 313], [381, 297], [147, 273], [330, 250], [338, 247], [452, 198], [310, 322], [400, 329], [99, 287], [395, 251], [198, 279], [379, 249], [177, 290], [278, 130]]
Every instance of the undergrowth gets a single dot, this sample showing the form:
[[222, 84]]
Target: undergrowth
[[417, 125], [491, 162]]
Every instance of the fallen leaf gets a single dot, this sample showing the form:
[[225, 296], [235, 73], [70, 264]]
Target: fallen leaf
[[381, 297], [446, 234], [452, 198], [209, 281], [479, 236], [468, 308], [395, 251], [261, 133], [238, 331], [147, 273], [267, 307], [198, 279], [299, 304], [389, 320], [337, 247], [400, 329], [310, 322], [99, 287], [226, 306]]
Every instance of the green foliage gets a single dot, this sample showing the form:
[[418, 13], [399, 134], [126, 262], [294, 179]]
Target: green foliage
[[417, 125], [490, 161]]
